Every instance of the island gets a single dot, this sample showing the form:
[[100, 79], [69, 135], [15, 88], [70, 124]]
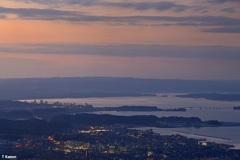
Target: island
[[25, 110], [213, 96]]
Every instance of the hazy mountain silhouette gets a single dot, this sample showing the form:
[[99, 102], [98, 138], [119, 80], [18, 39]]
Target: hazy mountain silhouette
[[75, 87]]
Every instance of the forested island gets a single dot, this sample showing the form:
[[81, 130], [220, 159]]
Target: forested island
[[70, 113], [66, 121], [213, 96], [138, 109], [236, 108]]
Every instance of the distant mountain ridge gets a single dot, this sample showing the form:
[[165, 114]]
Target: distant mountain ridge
[[76, 87]]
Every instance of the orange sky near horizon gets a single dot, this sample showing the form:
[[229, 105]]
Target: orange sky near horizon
[[38, 66], [48, 38], [29, 31]]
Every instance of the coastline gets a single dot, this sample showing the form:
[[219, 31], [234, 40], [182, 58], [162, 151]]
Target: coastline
[[195, 134]]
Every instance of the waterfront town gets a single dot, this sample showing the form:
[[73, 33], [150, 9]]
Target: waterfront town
[[112, 142], [74, 132]]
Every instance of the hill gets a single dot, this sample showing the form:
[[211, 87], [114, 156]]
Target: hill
[[76, 87]]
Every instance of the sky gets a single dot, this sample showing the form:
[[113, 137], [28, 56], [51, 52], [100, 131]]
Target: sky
[[166, 39]]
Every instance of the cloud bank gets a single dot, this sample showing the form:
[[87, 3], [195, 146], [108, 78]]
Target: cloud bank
[[212, 52]]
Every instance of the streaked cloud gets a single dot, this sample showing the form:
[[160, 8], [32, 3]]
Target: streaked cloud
[[160, 6], [51, 14], [35, 13], [222, 1], [223, 30], [229, 10], [223, 23], [213, 52]]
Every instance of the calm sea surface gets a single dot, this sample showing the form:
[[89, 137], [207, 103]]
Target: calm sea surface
[[202, 108]]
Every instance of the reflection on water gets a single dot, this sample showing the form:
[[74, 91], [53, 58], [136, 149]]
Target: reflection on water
[[163, 102], [171, 101], [220, 114]]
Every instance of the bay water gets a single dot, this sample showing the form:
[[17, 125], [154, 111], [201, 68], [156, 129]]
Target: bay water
[[202, 108]]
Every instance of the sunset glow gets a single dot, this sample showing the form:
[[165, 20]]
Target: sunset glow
[[149, 39]]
